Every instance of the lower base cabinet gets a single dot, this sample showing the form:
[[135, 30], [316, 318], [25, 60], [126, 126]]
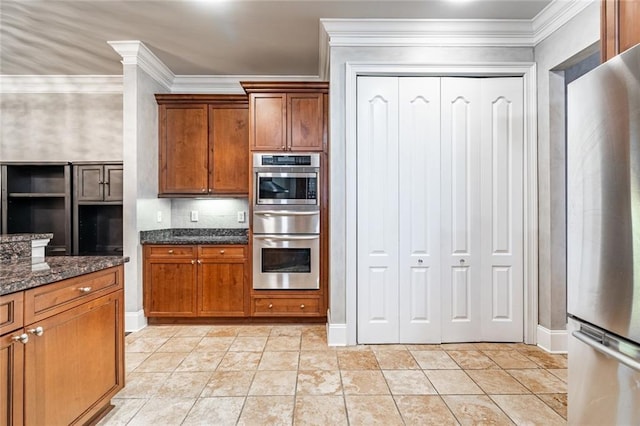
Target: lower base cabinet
[[195, 281], [67, 362]]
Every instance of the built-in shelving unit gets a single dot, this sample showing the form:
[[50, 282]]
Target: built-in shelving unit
[[36, 198]]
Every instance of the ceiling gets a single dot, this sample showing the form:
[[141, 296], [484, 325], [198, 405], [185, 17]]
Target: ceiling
[[215, 37]]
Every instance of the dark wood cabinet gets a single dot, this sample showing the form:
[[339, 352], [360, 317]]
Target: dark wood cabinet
[[98, 181], [67, 361], [619, 28], [203, 145], [36, 198], [287, 116], [97, 208], [195, 281]]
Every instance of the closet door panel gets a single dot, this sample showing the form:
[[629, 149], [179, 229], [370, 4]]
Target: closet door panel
[[377, 227], [419, 205], [501, 210], [460, 202]]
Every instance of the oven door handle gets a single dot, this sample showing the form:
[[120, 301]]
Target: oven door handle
[[287, 238], [285, 213]]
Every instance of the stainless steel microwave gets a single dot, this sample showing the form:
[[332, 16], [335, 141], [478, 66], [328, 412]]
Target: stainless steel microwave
[[289, 179]]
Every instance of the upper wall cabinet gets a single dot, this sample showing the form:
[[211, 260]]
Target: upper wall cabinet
[[619, 29], [203, 145], [287, 116]]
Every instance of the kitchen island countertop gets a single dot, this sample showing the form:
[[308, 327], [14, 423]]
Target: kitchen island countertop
[[213, 236], [23, 274]]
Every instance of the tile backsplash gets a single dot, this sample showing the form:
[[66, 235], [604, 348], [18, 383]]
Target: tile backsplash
[[210, 213]]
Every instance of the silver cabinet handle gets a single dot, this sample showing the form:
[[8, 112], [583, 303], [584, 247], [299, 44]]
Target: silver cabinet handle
[[461, 261], [221, 251], [286, 238], [84, 289], [302, 306], [38, 331], [420, 261], [22, 338], [286, 213], [170, 251], [618, 356], [193, 262], [199, 262], [270, 305]]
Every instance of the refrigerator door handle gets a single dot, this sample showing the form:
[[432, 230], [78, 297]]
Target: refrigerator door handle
[[618, 356]]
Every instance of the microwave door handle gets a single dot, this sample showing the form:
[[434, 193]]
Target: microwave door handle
[[289, 238], [285, 213]]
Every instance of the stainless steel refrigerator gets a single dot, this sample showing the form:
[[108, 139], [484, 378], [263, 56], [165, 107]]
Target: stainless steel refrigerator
[[603, 243]]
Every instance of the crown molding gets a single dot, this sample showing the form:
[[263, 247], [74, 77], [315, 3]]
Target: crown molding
[[427, 32], [134, 52], [99, 84], [445, 32], [555, 15], [227, 84]]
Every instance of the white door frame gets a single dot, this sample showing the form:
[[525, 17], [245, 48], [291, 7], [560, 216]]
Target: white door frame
[[526, 70]]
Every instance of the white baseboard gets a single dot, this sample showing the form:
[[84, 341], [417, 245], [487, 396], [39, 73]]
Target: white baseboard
[[134, 321], [336, 333], [553, 341]]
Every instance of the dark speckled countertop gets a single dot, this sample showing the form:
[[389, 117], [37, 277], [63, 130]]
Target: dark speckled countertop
[[22, 274], [213, 236]]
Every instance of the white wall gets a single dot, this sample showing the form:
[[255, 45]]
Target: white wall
[[60, 127], [140, 152], [574, 41]]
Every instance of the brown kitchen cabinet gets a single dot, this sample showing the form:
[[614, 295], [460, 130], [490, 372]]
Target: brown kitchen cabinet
[[287, 116], [67, 362], [286, 306], [11, 359], [195, 281], [619, 28], [203, 145]]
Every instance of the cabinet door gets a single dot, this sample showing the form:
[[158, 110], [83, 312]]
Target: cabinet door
[[11, 379], [618, 26], [184, 163], [268, 121], [113, 182], [305, 114], [170, 287], [229, 150], [90, 182], [221, 286], [76, 365]]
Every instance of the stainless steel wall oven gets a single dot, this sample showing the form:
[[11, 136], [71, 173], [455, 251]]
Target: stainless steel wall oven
[[286, 221]]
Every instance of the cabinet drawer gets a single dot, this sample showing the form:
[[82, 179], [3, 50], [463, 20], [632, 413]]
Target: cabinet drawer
[[222, 252], [171, 251], [11, 312], [47, 300], [294, 307]]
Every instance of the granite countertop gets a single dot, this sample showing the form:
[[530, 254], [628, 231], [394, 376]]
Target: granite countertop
[[213, 236], [23, 274], [16, 238]]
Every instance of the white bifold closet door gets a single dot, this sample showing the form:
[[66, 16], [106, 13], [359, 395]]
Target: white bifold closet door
[[439, 209]]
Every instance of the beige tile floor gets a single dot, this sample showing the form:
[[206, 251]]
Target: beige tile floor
[[286, 374]]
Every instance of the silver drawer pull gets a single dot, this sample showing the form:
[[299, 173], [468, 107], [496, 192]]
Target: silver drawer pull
[[170, 251], [270, 305], [84, 289], [302, 306], [38, 331]]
